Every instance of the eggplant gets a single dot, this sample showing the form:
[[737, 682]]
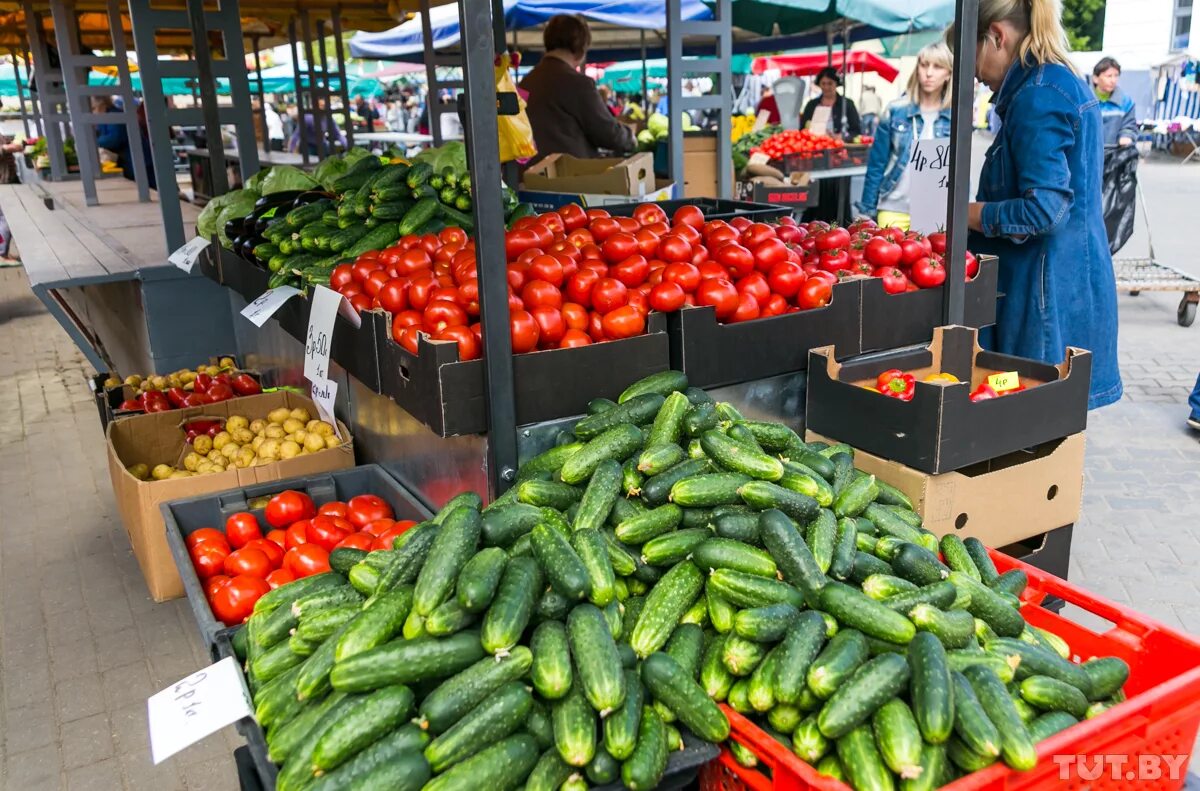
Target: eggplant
[[276, 199], [311, 196]]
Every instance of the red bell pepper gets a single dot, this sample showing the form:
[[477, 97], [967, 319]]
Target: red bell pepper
[[895, 383], [984, 393], [202, 383], [176, 395], [245, 384]]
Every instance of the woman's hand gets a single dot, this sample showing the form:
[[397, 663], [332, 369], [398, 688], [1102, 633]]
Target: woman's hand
[[975, 216]]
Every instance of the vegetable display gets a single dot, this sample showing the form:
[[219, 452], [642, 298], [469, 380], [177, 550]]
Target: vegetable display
[[569, 631], [207, 384], [799, 142], [901, 385]]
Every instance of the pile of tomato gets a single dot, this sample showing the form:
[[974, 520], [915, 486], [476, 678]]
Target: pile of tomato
[[204, 390], [240, 564], [577, 276], [797, 141]]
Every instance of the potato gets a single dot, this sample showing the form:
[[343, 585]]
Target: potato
[[161, 472], [211, 370], [257, 442], [181, 474], [230, 449], [133, 381], [269, 450], [112, 381], [290, 425], [324, 429], [332, 441], [245, 458], [202, 444], [206, 467], [215, 455], [311, 425], [187, 377], [242, 436], [226, 362], [275, 431], [139, 471], [191, 460], [279, 415], [258, 426], [289, 449], [236, 422], [174, 381], [222, 439], [313, 442], [301, 414], [158, 382]]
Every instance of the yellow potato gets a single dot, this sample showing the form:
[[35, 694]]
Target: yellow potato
[[222, 439], [299, 435], [314, 442], [202, 444], [332, 441], [311, 425], [242, 436], [161, 471], [226, 362], [324, 429], [133, 381], [275, 431], [211, 370], [245, 457], [289, 449], [174, 381], [139, 471], [301, 414], [215, 456], [269, 450], [236, 422], [191, 460], [181, 474], [230, 449], [159, 382], [112, 381], [257, 442], [290, 425], [187, 377], [258, 426], [279, 415], [205, 467]]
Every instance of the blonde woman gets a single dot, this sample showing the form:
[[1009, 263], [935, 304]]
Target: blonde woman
[[1039, 202], [923, 113]]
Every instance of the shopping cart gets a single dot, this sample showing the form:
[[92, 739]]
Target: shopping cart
[[1136, 275]]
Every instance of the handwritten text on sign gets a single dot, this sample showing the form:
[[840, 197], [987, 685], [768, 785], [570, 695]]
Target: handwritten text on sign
[[186, 257], [929, 181], [267, 303], [197, 706], [325, 303], [324, 394]]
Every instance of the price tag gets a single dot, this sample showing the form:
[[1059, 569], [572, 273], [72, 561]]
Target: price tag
[[759, 158], [1003, 382], [201, 704], [186, 257], [324, 394], [929, 181], [325, 305], [267, 303]]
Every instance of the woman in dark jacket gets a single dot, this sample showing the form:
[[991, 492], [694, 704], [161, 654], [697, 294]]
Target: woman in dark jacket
[[839, 113]]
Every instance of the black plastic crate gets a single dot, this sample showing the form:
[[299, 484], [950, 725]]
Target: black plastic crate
[[108, 399], [1050, 552], [184, 517], [713, 208], [255, 770]]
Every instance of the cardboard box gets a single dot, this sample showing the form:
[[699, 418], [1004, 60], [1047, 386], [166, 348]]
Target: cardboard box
[[158, 438], [941, 429], [1001, 501], [549, 201], [633, 176], [700, 165]]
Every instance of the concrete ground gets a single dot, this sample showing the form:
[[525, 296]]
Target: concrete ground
[[82, 645]]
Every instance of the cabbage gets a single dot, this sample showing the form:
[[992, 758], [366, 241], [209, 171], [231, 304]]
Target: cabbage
[[658, 123], [452, 154], [254, 183], [285, 178], [330, 169], [222, 209]]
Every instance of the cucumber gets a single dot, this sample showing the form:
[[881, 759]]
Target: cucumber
[[645, 526], [510, 610], [795, 559], [406, 661], [592, 551], [449, 617], [708, 490], [714, 676], [686, 647], [736, 526], [933, 770], [860, 758], [1049, 724], [888, 523], [1012, 582], [631, 482], [597, 662], [983, 560], [955, 629], [505, 764], [739, 698], [971, 723], [312, 678], [662, 384], [560, 563], [988, 606], [965, 758], [808, 742], [284, 738], [502, 525], [622, 562], [940, 594], [673, 685], [398, 754], [598, 405], [1050, 694], [881, 587], [657, 490], [726, 553], [1016, 746], [667, 428], [739, 457], [600, 494], [1106, 676], [372, 718], [497, 716], [844, 653], [761, 692], [853, 608], [548, 461], [800, 646], [551, 494], [860, 696], [843, 471], [634, 412], [820, 536], [343, 559], [845, 548], [574, 728], [457, 695], [274, 661], [765, 624], [549, 773], [890, 495], [298, 772], [931, 692], [855, 497], [364, 579], [669, 549], [898, 738], [763, 495], [784, 718], [643, 770], [749, 590], [603, 769], [667, 601], [917, 564], [740, 656], [454, 546], [479, 579], [405, 771], [1001, 665], [957, 557], [739, 433], [659, 458], [799, 478], [701, 418], [405, 563], [621, 726]]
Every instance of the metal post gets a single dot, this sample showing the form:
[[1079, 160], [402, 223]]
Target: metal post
[[125, 88], [645, 78], [315, 93], [300, 127], [966, 15], [720, 31], [262, 99], [483, 157], [75, 78], [49, 94], [208, 96], [431, 79], [20, 91], [339, 51], [675, 93], [724, 10]]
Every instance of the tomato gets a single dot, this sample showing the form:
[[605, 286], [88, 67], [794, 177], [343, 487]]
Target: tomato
[[603, 227], [572, 215], [720, 236], [362, 268], [674, 248], [755, 284], [538, 293], [881, 251], [688, 215], [547, 268], [721, 294], [596, 326], [234, 601], [972, 265], [446, 294], [755, 234], [591, 252], [647, 242], [832, 239], [667, 297], [709, 269], [747, 309], [468, 346], [912, 249], [814, 293], [518, 241], [304, 561], [609, 294], [524, 330], [469, 292], [618, 247], [786, 278], [273, 551], [247, 561], [927, 273], [579, 238], [638, 299], [278, 537], [377, 527], [736, 258], [359, 302], [740, 224], [442, 313], [289, 506], [209, 558], [206, 535], [333, 508], [575, 316], [342, 275], [894, 280], [241, 528], [624, 322], [632, 271], [214, 584], [410, 339], [835, 260], [789, 234], [363, 541], [573, 339], [685, 274], [366, 508], [551, 325], [776, 306], [280, 577], [419, 290], [296, 534]]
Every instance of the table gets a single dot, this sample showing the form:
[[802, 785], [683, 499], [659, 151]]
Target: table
[[102, 272]]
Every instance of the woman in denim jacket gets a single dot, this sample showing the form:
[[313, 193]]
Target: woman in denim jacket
[[1039, 201], [923, 113]]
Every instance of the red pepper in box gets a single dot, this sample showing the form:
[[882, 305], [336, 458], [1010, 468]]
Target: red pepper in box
[[895, 383], [984, 393]]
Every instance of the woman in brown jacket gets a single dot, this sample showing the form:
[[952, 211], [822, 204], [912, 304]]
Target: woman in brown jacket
[[566, 111]]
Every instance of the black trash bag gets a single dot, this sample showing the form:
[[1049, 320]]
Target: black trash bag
[[1120, 194]]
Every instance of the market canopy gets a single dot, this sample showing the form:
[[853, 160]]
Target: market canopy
[[810, 64], [626, 76], [786, 17]]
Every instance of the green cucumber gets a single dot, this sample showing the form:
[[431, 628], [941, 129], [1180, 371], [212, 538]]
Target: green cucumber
[[312, 680], [1016, 746], [932, 772], [600, 494], [890, 495], [983, 560], [763, 495], [739, 698], [502, 525], [795, 559], [843, 471], [407, 559], [319, 626], [808, 742], [739, 457], [845, 547], [497, 716], [668, 423], [667, 601], [574, 727], [376, 625], [784, 717], [283, 739], [940, 594], [740, 656], [971, 723], [955, 629], [648, 524], [701, 418], [454, 546], [898, 738], [853, 608], [298, 772], [881, 587], [552, 494], [706, 491], [988, 606], [662, 384], [737, 527], [801, 644], [505, 764], [669, 549], [374, 716], [598, 405], [603, 769], [821, 535], [597, 663], [460, 693], [548, 461], [749, 590], [965, 758], [714, 676], [844, 653], [621, 726], [1002, 666], [860, 696], [272, 628], [656, 490], [957, 557], [631, 482], [1012, 582], [917, 564], [931, 691], [673, 685], [549, 773], [447, 618], [721, 612], [761, 692], [633, 412], [660, 458], [406, 661], [479, 579], [855, 497], [888, 523], [643, 770], [1106, 676], [274, 661], [1050, 694], [860, 758], [623, 563], [799, 478], [560, 563], [592, 551], [724, 553], [342, 559], [1049, 724], [766, 624], [510, 610]]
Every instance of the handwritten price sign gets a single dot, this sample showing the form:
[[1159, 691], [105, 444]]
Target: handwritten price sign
[[929, 181], [325, 305], [267, 303], [199, 705]]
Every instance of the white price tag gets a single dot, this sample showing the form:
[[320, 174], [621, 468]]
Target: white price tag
[[186, 257], [197, 706], [759, 158], [929, 180], [324, 394], [325, 305], [267, 303]]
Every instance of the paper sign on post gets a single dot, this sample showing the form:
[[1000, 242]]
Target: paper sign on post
[[197, 706], [325, 304], [1005, 381], [324, 394], [929, 182], [186, 257], [267, 303], [759, 158]]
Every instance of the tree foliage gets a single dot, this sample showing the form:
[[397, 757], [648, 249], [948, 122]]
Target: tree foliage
[[1084, 22]]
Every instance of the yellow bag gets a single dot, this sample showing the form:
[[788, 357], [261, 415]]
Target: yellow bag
[[516, 135]]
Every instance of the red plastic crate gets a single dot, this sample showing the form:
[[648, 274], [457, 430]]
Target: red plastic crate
[[1160, 718]]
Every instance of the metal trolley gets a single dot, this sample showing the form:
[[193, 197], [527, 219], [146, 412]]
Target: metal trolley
[[1136, 275]]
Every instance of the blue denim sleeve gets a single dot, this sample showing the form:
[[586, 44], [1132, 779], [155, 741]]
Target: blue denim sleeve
[[1129, 124], [1040, 128], [877, 162]]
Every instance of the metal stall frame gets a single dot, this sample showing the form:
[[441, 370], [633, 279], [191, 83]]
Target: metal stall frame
[[32, 113], [962, 127], [434, 85], [51, 98]]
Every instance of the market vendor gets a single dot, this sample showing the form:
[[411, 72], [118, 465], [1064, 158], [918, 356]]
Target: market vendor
[[113, 137], [1116, 109], [831, 113], [923, 113], [1039, 196], [566, 111]]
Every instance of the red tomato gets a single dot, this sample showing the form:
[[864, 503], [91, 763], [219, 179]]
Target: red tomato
[[603, 227], [609, 294], [362, 268], [296, 534], [375, 281], [573, 216], [468, 346], [618, 247], [914, 248], [538, 293], [881, 251], [927, 273], [737, 259], [591, 252], [278, 537], [440, 314], [832, 239], [747, 309], [639, 300], [247, 561], [894, 280], [524, 331], [814, 293], [342, 275], [769, 253], [756, 286], [518, 241], [420, 288], [363, 541], [647, 213], [785, 279], [688, 234], [972, 265], [306, 560], [234, 601], [822, 275], [333, 508], [377, 527], [361, 302], [719, 293], [667, 297], [273, 551], [574, 338], [776, 306], [547, 268], [835, 260], [711, 269], [289, 506], [404, 320], [209, 558], [755, 234], [214, 584], [280, 577], [446, 294], [647, 242], [685, 274], [551, 326], [632, 271], [575, 316], [673, 248], [688, 215], [366, 508], [206, 535], [596, 326], [579, 287], [580, 237], [624, 322], [327, 531], [740, 223]]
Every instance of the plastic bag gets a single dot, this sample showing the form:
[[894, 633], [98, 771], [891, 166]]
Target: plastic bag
[[516, 135]]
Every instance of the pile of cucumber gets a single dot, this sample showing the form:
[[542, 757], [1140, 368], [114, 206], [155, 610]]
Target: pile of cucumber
[[666, 554]]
